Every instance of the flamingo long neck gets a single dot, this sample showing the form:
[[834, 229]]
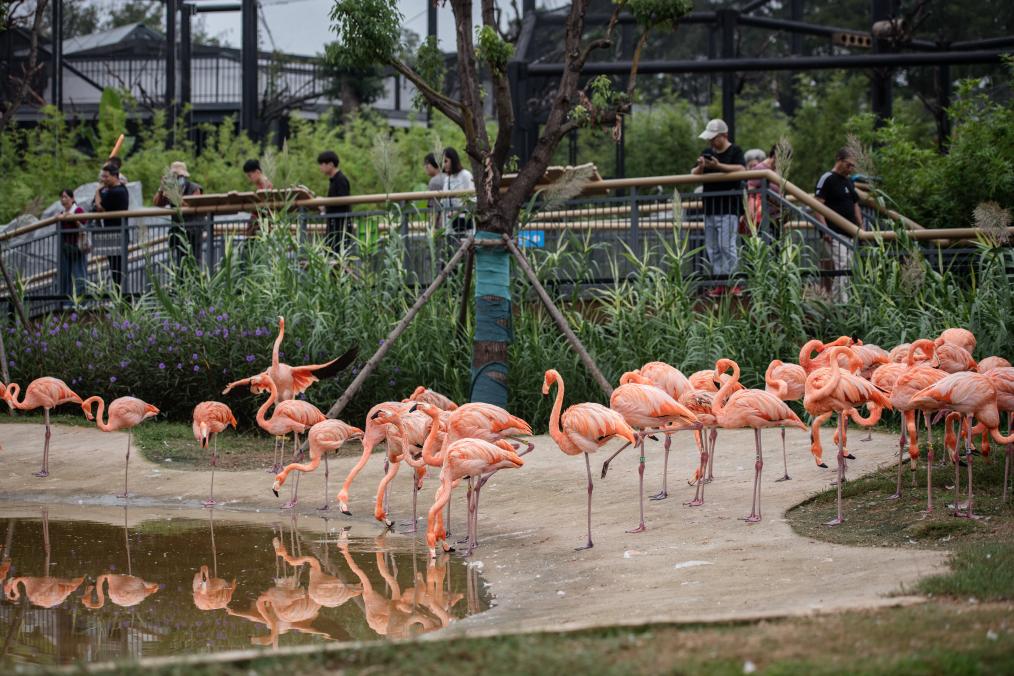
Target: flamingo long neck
[[430, 454], [718, 404], [278, 343], [13, 390], [262, 419], [308, 467], [925, 346], [554, 418], [806, 351], [104, 426], [100, 597], [833, 380], [780, 387]]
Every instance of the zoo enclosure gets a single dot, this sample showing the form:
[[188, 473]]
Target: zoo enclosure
[[635, 220]]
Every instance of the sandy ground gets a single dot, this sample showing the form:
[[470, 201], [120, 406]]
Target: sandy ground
[[692, 565]]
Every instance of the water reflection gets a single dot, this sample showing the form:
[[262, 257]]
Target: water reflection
[[76, 591]]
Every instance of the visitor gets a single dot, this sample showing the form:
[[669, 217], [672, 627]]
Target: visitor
[[338, 232], [753, 157], [117, 162], [74, 247], [110, 196], [254, 174], [455, 178], [185, 233], [722, 210], [835, 190], [755, 202], [435, 184]]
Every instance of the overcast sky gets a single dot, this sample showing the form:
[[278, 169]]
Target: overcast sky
[[304, 26]]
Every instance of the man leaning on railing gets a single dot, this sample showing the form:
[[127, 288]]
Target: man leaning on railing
[[112, 195]]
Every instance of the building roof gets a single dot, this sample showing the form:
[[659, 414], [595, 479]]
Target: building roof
[[130, 32]]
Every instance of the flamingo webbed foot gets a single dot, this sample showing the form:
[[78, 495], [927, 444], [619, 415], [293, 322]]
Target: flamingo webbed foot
[[661, 495], [784, 478], [210, 502], [696, 502], [589, 545], [42, 474], [835, 522], [752, 518], [289, 505], [605, 469], [323, 508], [639, 529]]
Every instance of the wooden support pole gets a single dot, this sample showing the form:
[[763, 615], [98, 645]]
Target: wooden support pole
[[561, 321], [12, 292], [396, 332], [465, 296], [3, 361]]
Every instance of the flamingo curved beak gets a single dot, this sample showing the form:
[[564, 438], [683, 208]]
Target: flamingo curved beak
[[275, 491], [414, 408]]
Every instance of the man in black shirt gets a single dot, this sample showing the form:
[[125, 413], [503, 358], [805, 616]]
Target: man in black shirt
[[339, 225], [835, 190], [112, 196], [721, 210]]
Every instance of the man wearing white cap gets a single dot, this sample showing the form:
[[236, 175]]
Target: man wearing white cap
[[721, 210], [176, 184]]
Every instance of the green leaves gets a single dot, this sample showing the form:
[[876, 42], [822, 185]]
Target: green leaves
[[429, 63], [492, 49], [368, 33], [654, 13]]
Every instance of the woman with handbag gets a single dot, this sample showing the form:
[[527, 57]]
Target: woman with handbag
[[75, 243]]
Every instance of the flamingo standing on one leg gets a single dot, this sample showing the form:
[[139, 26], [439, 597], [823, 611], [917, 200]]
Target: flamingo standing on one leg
[[210, 419], [646, 407], [832, 389], [291, 380], [295, 416], [583, 429], [918, 375], [470, 458], [325, 436], [787, 382], [46, 393], [376, 432], [125, 413], [974, 395], [751, 408]]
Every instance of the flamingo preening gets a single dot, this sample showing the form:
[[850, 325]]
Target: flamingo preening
[[210, 419]]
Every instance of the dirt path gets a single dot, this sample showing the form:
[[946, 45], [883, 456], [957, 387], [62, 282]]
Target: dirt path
[[692, 565]]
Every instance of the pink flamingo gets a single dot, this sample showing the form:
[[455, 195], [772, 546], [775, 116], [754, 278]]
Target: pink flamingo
[[420, 428], [872, 356], [293, 416], [124, 590], [971, 394], [953, 358], [811, 363], [47, 393], [125, 413], [884, 378], [471, 458], [375, 433], [960, 337], [291, 380], [1002, 378], [583, 429], [700, 404], [917, 376], [210, 419], [325, 436], [989, 363], [751, 408], [832, 389], [787, 382], [421, 393], [704, 381], [646, 407]]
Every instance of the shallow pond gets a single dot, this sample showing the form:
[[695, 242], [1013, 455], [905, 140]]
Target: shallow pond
[[178, 586]]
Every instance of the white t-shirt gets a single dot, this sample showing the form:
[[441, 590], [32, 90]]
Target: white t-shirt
[[459, 181]]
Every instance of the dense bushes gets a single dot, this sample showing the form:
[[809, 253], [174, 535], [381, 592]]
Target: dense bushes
[[181, 345]]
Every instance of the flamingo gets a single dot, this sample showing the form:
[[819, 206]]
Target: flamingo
[[210, 419], [871, 355], [704, 381], [852, 364], [811, 363], [953, 358], [211, 593], [583, 428], [960, 337], [293, 416], [325, 590], [291, 380], [327, 435], [46, 393], [974, 395], [899, 353], [917, 376], [699, 403], [646, 407], [463, 458], [750, 408], [884, 378], [125, 413], [787, 382], [124, 590], [989, 363], [1002, 378], [413, 430], [832, 389], [421, 393]]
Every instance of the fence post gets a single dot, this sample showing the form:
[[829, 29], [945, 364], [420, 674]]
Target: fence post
[[124, 256], [209, 248], [635, 231]]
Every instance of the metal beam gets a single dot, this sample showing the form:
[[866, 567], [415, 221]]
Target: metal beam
[[170, 61], [756, 4], [805, 28], [857, 61], [591, 20], [985, 43], [209, 9], [57, 55], [248, 105], [727, 20], [186, 50], [881, 80]]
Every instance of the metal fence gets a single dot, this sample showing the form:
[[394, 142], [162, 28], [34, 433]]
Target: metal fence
[[596, 240]]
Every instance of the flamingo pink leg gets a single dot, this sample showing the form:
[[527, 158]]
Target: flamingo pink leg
[[664, 493], [210, 502], [755, 511], [640, 479], [968, 456], [929, 466], [126, 467], [296, 457], [412, 526], [44, 472], [785, 460], [327, 473], [901, 456], [702, 441], [591, 487], [838, 520], [711, 455], [605, 465]]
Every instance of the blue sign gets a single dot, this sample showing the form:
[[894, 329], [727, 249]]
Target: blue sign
[[535, 239]]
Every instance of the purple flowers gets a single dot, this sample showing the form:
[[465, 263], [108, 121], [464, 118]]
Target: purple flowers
[[161, 366], [112, 379], [151, 340], [179, 365], [250, 358], [199, 333], [193, 357], [73, 316], [196, 368], [78, 344], [124, 363]]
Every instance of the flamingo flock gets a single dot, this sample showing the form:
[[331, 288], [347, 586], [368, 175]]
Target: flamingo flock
[[938, 378]]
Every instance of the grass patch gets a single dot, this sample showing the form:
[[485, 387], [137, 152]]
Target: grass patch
[[952, 638], [982, 566]]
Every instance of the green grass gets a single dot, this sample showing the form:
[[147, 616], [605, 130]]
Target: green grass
[[907, 640], [980, 570]]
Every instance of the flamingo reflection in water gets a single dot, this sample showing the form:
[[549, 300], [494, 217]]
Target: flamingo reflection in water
[[44, 591], [210, 591], [125, 591]]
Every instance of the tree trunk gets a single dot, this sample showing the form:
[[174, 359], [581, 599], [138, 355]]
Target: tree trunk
[[493, 331]]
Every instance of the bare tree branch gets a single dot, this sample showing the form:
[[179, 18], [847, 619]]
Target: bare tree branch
[[446, 105], [24, 86], [502, 100]]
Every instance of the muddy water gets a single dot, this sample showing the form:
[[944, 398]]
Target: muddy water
[[184, 586]]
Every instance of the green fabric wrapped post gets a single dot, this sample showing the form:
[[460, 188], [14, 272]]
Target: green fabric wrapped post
[[492, 321]]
